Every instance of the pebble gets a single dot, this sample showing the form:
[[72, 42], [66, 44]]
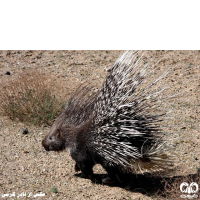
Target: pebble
[[7, 73], [24, 131]]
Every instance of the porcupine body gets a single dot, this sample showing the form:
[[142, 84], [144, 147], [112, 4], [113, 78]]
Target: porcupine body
[[117, 127]]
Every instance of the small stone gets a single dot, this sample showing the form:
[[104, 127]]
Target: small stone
[[108, 69], [32, 61], [24, 131], [7, 73], [8, 53]]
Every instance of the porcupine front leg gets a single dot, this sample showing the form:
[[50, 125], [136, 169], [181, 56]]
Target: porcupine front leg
[[83, 163], [86, 169]]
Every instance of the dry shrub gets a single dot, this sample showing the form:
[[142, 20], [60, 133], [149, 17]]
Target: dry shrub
[[30, 98]]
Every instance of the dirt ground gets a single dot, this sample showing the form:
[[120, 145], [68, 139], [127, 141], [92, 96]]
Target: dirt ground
[[26, 167]]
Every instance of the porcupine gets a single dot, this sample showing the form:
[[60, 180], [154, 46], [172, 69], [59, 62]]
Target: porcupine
[[117, 127]]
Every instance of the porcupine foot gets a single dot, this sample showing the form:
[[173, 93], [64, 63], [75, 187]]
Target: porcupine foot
[[108, 180], [111, 178], [89, 174], [93, 178], [86, 169]]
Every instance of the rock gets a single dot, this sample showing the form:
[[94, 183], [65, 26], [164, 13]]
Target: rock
[[7, 73], [24, 131]]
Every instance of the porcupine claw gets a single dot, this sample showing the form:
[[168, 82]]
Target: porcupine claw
[[108, 180]]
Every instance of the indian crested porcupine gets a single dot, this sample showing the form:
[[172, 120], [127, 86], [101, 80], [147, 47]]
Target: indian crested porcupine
[[118, 126]]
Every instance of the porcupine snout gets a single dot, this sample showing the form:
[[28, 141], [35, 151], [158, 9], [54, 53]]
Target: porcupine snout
[[45, 145], [53, 141]]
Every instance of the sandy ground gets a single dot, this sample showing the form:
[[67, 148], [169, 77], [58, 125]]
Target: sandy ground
[[25, 167]]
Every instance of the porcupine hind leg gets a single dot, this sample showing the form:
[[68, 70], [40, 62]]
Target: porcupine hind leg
[[112, 175], [76, 168]]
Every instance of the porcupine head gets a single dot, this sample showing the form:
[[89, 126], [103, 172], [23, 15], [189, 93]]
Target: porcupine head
[[122, 117], [58, 139], [74, 120]]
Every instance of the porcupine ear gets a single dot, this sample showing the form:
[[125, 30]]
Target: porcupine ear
[[128, 114], [59, 133]]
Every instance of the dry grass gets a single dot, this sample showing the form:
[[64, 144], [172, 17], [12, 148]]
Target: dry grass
[[29, 98]]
